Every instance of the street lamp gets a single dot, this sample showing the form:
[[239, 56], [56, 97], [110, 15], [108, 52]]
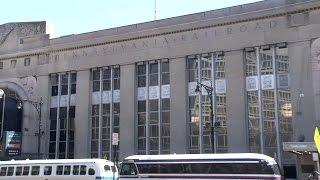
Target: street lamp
[[37, 105], [2, 95], [214, 124]]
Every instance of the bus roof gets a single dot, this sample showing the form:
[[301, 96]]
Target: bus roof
[[53, 161], [253, 156]]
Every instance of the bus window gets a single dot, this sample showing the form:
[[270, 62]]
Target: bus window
[[47, 170], [19, 171], [3, 171], [128, 169], [10, 171], [67, 170], [26, 171], [59, 170], [83, 170], [107, 168], [91, 171], [75, 170], [35, 170]]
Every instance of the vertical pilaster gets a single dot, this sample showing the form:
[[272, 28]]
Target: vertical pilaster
[[127, 109], [178, 106], [236, 123], [82, 123], [43, 86], [301, 90]]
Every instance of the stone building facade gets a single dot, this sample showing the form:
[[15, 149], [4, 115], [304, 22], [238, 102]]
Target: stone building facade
[[261, 59]]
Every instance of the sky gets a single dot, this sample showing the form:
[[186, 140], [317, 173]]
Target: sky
[[79, 16]]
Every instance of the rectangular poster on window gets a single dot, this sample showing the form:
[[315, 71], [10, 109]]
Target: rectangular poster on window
[[252, 83], [165, 91], [220, 86], [283, 81], [267, 82], [142, 93], [154, 92]]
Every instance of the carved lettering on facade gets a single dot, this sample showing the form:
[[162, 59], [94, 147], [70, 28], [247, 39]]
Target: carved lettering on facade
[[173, 39]]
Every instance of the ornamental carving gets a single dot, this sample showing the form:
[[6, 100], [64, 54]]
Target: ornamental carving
[[315, 51]]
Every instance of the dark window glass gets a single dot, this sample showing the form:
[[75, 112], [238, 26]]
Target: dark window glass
[[35, 170], [141, 81], [53, 125], [165, 78], [67, 170], [59, 170], [106, 73], [106, 85], [52, 135], [128, 169], [63, 112], [47, 170], [116, 72], [116, 84], [141, 69], [54, 78], [19, 171], [52, 147], [91, 171], [25, 170], [153, 105], [165, 67], [73, 88], [54, 91], [73, 77], [64, 89], [10, 171], [83, 170], [153, 80], [64, 78], [72, 111], [153, 68], [75, 170], [62, 147], [53, 113], [96, 75], [166, 104], [96, 86], [3, 171], [141, 106]]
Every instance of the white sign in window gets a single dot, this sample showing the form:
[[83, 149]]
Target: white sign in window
[[267, 82], [220, 86], [252, 83]]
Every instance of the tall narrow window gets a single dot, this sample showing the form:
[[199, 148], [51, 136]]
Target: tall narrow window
[[207, 70], [62, 115], [13, 64], [268, 99], [153, 112], [26, 61], [105, 112]]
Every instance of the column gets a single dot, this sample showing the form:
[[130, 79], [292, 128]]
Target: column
[[82, 123], [178, 106], [236, 122], [43, 86], [127, 111], [302, 91]]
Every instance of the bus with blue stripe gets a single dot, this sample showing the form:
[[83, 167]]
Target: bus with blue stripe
[[58, 169]]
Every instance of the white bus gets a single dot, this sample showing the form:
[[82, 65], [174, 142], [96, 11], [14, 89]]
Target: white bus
[[57, 169], [200, 166]]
